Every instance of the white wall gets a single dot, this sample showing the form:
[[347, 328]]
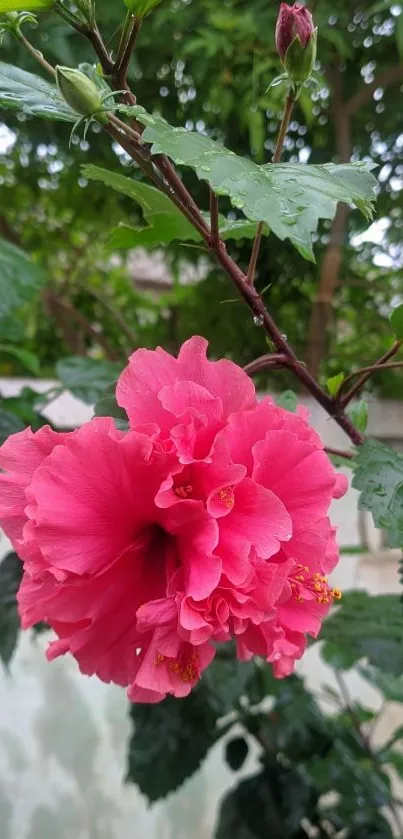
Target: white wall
[[63, 736]]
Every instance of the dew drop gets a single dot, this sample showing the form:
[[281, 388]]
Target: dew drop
[[258, 320], [284, 336]]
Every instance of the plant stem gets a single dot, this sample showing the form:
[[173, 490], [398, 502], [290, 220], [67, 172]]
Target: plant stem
[[288, 107], [266, 362], [214, 225], [123, 59], [255, 253], [36, 54], [365, 742], [367, 373], [340, 453]]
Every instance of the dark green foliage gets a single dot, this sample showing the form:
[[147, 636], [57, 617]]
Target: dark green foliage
[[365, 626], [236, 752], [170, 741], [10, 578], [87, 378]]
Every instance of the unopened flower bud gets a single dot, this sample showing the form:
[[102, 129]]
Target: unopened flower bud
[[80, 92], [296, 39]]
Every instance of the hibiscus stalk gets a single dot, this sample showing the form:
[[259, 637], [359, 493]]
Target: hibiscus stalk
[[175, 189]]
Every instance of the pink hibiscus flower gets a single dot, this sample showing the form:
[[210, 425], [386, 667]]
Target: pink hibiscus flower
[[206, 521]]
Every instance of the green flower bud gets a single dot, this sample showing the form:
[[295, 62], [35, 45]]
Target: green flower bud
[[299, 61], [80, 92]]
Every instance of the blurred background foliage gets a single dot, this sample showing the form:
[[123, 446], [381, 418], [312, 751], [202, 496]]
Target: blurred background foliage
[[207, 66]]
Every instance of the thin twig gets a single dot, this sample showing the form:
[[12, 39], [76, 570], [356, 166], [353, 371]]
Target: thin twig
[[123, 61], [36, 54], [340, 453], [367, 373], [266, 362], [289, 104], [255, 253], [214, 225]]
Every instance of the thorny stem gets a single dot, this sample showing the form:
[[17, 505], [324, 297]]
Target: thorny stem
[[367, 373], [36, 54], [365, 742]]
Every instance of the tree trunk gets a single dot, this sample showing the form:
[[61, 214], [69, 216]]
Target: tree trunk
[[332, 260]]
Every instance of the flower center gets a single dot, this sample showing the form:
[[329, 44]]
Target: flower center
[[183, 491], [186, 667], [226, 496], [313, 584]]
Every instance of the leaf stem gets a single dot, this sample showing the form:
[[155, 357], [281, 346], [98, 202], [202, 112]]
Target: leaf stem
[[255, 253], [340, 453], [272, 361], [288, 108], [214, 224], [36, 54], [366, 374]]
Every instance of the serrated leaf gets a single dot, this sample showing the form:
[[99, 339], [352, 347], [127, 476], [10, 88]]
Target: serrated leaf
[[334, 383], [366, 626], [169, 742], [226, 680], [290, 198], [165, 222], [10, 578], [86, 378], [9, 424], [358, 413], [25, 5], [22, 91], [379, 476], [20, 279], [288, 400], [396, 319]]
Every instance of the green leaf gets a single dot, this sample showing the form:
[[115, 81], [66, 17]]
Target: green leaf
[[379, 476], [24, 407], [26, 358], [25, 5], [107, 406], [290, 198], [390, 686], [334, 383], [226, 680], [358, 413], [10, 578], [270, 804], [85, 377], [396, 318], [236, 752], [366, 627], [165, 222], [170, 741], [399, 34], [21, 91], [288, 400], [20, 279], [9, 424]]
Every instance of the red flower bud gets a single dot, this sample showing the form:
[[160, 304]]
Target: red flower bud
[[293, 21]]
